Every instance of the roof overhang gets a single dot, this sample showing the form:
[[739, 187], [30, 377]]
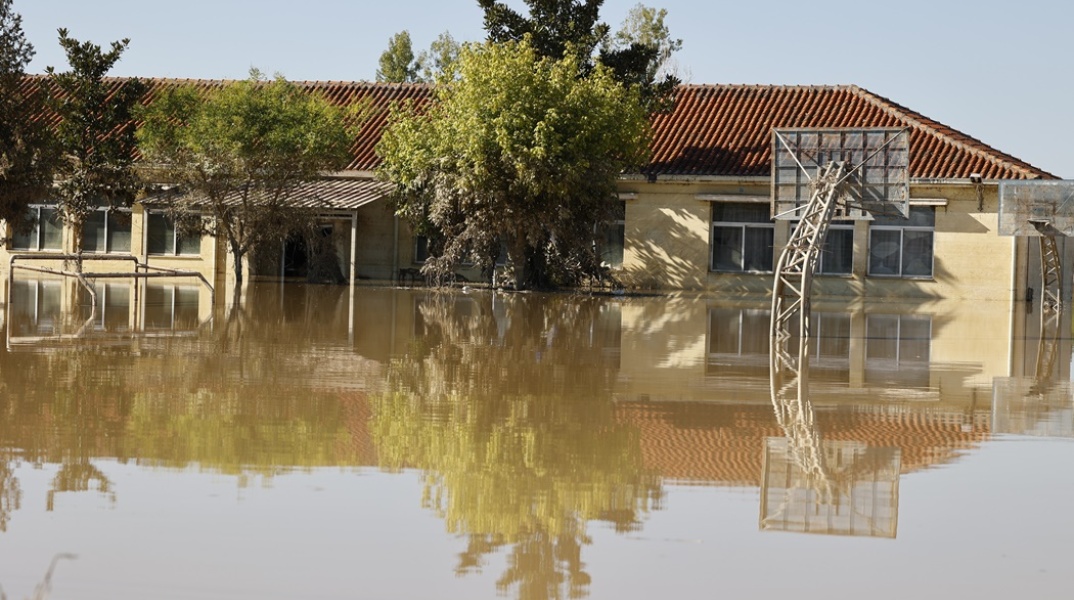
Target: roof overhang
[[335, 194]]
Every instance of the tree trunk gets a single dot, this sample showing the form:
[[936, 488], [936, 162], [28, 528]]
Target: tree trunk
[[237, 253]]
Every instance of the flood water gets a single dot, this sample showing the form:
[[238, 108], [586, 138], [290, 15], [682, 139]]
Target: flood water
[[325, 442]]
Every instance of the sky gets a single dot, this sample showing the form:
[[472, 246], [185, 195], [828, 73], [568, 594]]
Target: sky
[[998, 71]]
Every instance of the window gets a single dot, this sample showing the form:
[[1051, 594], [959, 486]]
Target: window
[[902, 247], [107, 231], [742, 237], [171, 307], [46, 233], [611, 238], [837, 257], [897, 350], [421, 249], [35, 307], [113, 306], [163, 238]]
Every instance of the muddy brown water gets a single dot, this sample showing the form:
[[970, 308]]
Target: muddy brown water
[[324, 442]]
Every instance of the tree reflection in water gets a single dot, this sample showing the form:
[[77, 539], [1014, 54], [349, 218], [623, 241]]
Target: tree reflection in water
[[10, 491], [507, 412]]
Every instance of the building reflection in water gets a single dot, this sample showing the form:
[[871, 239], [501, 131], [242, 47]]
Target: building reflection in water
[[54, 310], [529, 418], [813, 485], [1040, 403]]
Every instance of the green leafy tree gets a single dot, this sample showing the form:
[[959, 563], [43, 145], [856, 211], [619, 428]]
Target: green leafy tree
[[243, 155], [512, 426], [645, 38], [26, 153], [519, 153], [439, 59], [555, 27], [95, 134], [397, 63], [561, 27]]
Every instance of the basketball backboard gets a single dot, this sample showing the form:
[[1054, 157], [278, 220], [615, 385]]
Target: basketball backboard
[[860, 497], [1036, 207], [1030, 406], [876, 161]]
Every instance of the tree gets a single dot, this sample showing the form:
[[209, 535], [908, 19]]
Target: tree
[[561, 27], [243, 155], [439, 59], [520, 463], [520, 152], [95, 134], [397, 63], [644, 31], [555, 27], [26, 153]]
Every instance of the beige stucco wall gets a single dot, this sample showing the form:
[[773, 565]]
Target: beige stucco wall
[[668, 231], [665, 354], [667, 247]]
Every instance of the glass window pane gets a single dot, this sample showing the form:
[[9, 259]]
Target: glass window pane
[[611, 244], [119, 232], [26, 240], [186, 308], [741, 212], [93, 239], [914, 336], [160, 235], [158, 307], [727, 248], [755, 327], [421, 249], [725, 327], [917, 253], [882, 339], [884, 247], [758, 252], [922, 216], [190, 245], [838, 255], [832, 331], [117, 305], [51, 230]]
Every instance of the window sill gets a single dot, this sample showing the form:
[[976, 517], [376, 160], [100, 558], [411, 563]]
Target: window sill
[[905, 277]]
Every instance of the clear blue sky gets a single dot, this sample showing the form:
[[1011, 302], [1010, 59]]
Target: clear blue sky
[[999, 71]]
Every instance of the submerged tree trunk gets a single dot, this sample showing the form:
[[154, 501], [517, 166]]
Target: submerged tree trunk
[[237, 253]]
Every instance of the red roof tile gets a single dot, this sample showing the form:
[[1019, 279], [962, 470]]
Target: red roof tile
[[715, 130], [726, 130]]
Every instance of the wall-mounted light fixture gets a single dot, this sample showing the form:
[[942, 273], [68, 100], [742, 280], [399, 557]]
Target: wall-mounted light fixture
[[977, 181]]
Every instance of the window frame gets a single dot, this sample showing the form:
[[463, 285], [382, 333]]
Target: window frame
[[108, 221], [768, 226], [841, 226], [611, 236], [36, 232], [902, 229], [176, 244]]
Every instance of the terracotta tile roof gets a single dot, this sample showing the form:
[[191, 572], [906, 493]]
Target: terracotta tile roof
[[724, 444], [713, 130], [727, 130]]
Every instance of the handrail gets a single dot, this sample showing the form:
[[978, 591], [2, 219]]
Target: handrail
[[160, 271]]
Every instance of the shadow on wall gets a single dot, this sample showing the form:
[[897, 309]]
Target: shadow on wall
[[667, 252]]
